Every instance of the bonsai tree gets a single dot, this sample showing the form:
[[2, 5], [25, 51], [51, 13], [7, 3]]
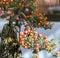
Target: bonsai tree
[[21, 12]]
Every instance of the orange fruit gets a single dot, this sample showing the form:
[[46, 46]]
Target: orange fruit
[[11, 0], [37, 48], [46, 44], [22, 5], [25, 46], [6, 2], [32, 12], [21, 37]]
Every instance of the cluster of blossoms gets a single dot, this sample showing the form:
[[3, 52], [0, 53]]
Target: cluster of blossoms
[[30, 38]]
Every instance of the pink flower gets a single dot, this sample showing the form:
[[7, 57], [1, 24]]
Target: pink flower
[[34, 28], [45, 36], [8, 17], [35, 36], [25, 31], [24, 36], [40, 35], [22, 33]]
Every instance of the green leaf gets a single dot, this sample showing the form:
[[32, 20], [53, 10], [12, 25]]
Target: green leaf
[[32, 7], [35, 51]]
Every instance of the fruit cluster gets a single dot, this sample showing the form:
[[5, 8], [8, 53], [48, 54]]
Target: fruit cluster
[[30, 38]]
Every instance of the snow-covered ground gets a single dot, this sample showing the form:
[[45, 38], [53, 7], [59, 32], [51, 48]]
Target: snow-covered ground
[[53, 33]]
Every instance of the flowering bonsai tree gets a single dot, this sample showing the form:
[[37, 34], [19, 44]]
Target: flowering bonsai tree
[[22, 12]]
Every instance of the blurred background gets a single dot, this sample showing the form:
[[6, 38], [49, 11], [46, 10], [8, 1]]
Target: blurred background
[[49, 7], [45, 5]]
